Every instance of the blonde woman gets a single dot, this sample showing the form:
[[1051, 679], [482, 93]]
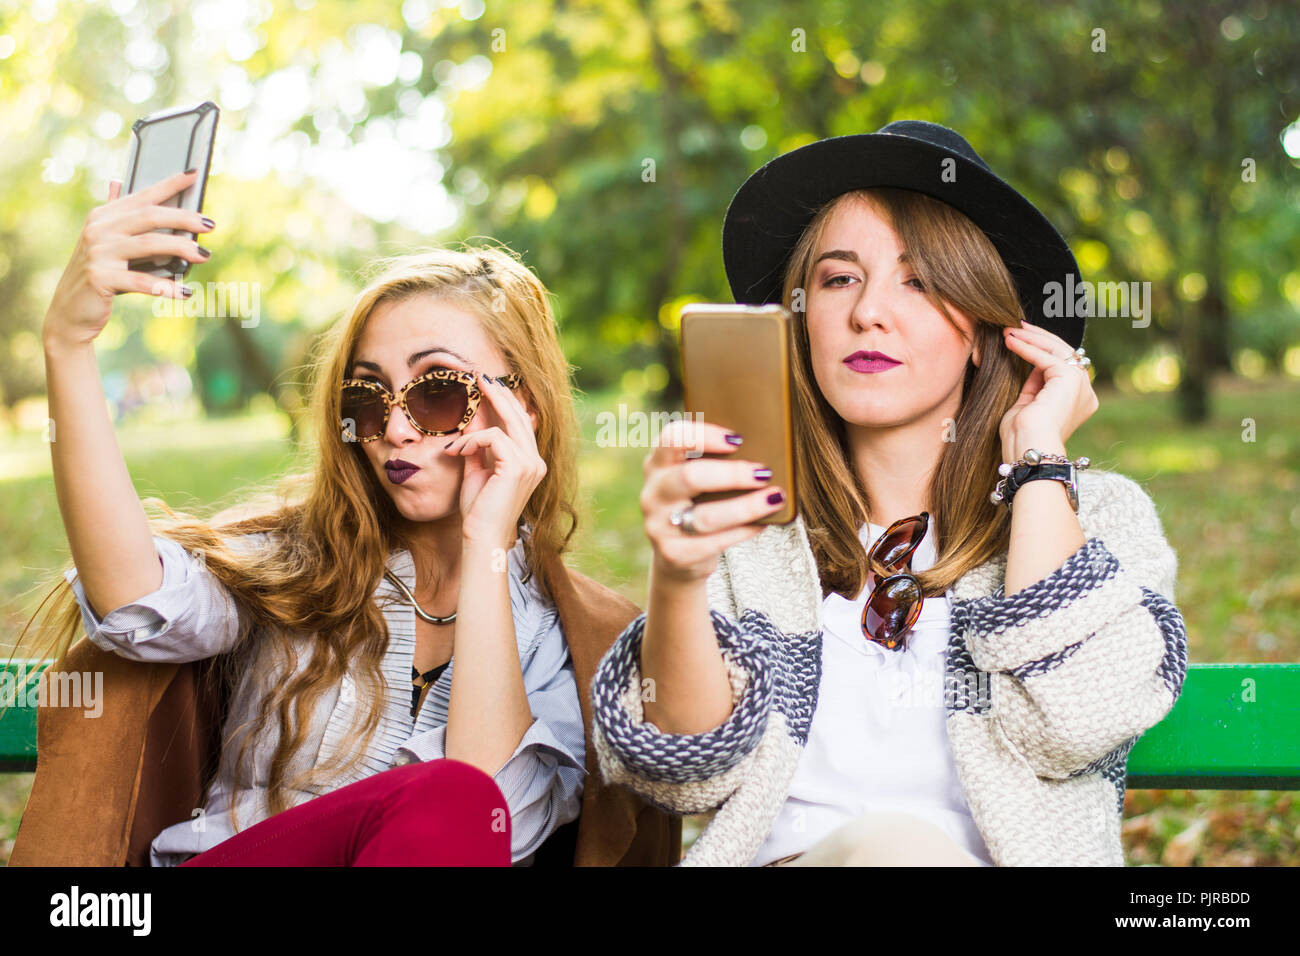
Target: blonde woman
[[937, 662], [396, 679]]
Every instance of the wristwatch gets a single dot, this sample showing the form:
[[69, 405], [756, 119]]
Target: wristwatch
[[1066, 473]]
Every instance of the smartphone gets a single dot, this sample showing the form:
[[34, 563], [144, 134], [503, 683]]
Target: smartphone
[[736, 373], [164, 144]]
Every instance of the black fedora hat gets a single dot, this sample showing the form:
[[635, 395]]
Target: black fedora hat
[[772, 208]]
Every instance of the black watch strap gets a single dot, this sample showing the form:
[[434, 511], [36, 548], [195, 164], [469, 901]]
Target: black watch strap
[[1053, 470]]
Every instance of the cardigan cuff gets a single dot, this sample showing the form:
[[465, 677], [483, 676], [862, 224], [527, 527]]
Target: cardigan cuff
[[1045, 623], [653, 755]]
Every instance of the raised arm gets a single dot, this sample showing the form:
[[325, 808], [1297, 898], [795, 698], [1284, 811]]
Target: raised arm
[[107, 529], [688, 689], [681, 701]]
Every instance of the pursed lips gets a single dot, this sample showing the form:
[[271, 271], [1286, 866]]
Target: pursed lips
[[399, 470]]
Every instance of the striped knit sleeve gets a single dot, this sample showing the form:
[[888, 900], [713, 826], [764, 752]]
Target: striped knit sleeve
[[1096, 652], [680, 773], [720, 597]]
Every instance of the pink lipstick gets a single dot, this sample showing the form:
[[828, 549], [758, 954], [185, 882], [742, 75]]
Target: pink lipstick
[[871, 361]]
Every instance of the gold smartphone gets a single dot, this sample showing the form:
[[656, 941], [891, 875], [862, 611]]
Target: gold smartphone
[[736, 373]]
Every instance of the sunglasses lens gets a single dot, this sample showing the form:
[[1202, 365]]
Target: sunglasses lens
[[438, 405], [892, 610], [896, 546], [363, 411]]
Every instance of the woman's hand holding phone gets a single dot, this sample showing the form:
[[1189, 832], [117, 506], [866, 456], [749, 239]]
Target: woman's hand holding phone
[[108, 533], [672, 480], [679, 651], [114, 234]]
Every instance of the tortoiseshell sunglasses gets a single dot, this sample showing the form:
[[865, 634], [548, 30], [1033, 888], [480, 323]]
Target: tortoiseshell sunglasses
[[896, 600], [439, 402]]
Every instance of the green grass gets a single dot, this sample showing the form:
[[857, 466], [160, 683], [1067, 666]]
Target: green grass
[[191, 465], [1229, 508]]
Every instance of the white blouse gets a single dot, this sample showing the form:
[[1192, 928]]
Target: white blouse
[[879, 739]]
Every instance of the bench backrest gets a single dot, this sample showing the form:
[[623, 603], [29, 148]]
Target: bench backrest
[[1234, 727]]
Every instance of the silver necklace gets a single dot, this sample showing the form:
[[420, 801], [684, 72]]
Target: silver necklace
[[423, 614]]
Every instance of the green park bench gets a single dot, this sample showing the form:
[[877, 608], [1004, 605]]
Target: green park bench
[[1234, 727]]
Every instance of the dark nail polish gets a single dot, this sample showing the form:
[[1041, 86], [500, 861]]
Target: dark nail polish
[[775, 498], [762, 474], [205, 252], [186, 291], [191, 169], [734, 439], [450, 443], [207, 222]]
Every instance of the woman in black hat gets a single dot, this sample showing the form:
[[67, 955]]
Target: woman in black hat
[[914, 670]]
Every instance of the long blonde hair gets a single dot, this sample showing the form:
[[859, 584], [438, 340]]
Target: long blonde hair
[[332, 528], [959, 267]]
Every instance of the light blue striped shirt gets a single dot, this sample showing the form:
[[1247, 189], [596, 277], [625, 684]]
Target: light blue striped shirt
[[191, 617]]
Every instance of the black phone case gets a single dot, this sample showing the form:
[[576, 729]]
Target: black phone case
[[187, 134]]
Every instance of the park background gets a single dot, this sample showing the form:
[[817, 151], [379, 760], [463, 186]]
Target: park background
[[603, 141]]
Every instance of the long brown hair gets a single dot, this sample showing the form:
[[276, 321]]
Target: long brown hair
[[959, 267], [309, 592]]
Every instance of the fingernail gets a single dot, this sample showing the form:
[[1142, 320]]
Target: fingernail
[[450, 443], [186, 291], [192, 169], [762, 474], [733, 439], [207, 222], [775, 498], [205, 252]]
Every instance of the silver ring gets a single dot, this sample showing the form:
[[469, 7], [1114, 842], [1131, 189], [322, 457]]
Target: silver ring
[[1078, 358], [684, 518]]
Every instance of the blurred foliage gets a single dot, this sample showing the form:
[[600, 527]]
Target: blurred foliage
[[1128, 124], [604, 140]]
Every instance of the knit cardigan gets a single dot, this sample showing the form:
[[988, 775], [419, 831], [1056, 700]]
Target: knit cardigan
[[1045, 691]]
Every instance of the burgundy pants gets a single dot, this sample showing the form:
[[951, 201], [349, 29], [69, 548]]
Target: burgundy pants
[[439, 813]]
